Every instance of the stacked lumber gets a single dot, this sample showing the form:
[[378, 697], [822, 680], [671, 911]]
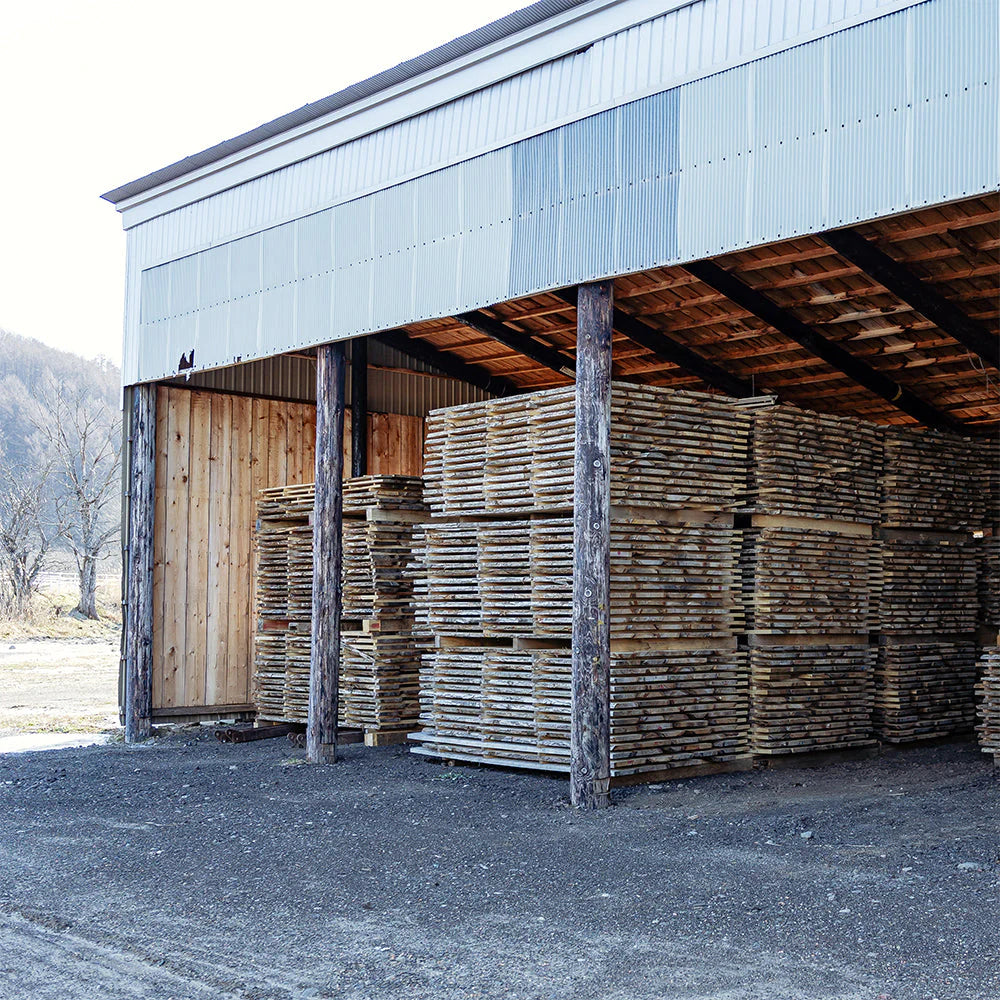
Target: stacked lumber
[[669, 708], [515, 577], [268, 684], [669, 449], [924, 688], [988, 693], [934, 480], [808, 581], [989, 580], [814, 465], [272, 571], [810, 697], [391, 493], [454, 605], [668, 581], [928, 583], [380, 680], [379, 673], [676, 708]]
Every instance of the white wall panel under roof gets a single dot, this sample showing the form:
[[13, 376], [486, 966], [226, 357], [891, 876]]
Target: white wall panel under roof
[[396, 383], [846, 125]]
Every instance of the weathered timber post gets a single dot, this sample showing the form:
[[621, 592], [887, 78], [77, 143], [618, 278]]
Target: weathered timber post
[[590, 748], [359, 407], [139, 578], [324, 663]]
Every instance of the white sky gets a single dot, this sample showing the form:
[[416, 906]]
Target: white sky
[[94, 93]]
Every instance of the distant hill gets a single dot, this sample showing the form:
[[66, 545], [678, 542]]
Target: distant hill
[[25, 368]]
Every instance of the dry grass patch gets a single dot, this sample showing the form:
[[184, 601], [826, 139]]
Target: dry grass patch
[[58, 686]]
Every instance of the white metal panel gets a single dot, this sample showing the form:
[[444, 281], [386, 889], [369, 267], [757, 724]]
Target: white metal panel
[[800, 141], [695, 40]]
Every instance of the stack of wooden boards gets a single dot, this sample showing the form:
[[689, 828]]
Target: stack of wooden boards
[[782, 581], [380, 661], [988, 692], [499, 475], [808, 567], [934, 499]]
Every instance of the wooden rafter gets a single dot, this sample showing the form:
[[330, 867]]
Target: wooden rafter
[[447, 364], [523, 343], [664, 346], [905, 285], [834, 355]]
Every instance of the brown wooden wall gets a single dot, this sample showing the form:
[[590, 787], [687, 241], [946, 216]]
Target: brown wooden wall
[[214, 452]]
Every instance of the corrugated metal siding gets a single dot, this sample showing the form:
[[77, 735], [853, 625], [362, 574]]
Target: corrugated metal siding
[[695, 40], [853, 125], [413, 392]]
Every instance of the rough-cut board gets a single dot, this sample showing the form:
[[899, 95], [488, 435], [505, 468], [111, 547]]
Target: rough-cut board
[[214, 453], [814, 465], [380, 657], [924, 689], [669, 709], [988, 693], [669, 449]]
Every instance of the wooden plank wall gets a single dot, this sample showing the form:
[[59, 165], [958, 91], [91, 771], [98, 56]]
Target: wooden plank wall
[[214, 452]]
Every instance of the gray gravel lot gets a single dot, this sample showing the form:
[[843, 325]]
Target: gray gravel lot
[[191, 869]]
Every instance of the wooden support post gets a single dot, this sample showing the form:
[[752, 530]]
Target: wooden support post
[[139, 578], [590, 749], [359, 407], [327, 597]]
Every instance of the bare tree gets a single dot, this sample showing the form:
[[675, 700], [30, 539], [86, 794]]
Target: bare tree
[[25, 535], [82, 436]]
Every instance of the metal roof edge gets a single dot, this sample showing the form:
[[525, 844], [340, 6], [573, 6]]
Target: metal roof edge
[[495, 31]]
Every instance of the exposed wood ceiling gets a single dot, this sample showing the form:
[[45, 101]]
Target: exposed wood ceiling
[[953, 249]]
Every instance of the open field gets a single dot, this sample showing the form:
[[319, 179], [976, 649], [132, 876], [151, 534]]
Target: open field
[[50, 616], [58, 686], [187, 868]]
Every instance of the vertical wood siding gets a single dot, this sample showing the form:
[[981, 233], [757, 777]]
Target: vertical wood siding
[[214, 451]]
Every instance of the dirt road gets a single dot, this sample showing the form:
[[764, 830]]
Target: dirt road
[[191, 869]]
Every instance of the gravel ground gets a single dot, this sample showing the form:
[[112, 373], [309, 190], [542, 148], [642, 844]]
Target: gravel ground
[[191, 869]]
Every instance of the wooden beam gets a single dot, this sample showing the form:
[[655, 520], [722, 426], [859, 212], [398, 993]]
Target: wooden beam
[[139, 580], [359, 407], [833, 354], [327, 595], [448, 364], [523, 343], [590, 741], [905, 285], [665, 347]]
